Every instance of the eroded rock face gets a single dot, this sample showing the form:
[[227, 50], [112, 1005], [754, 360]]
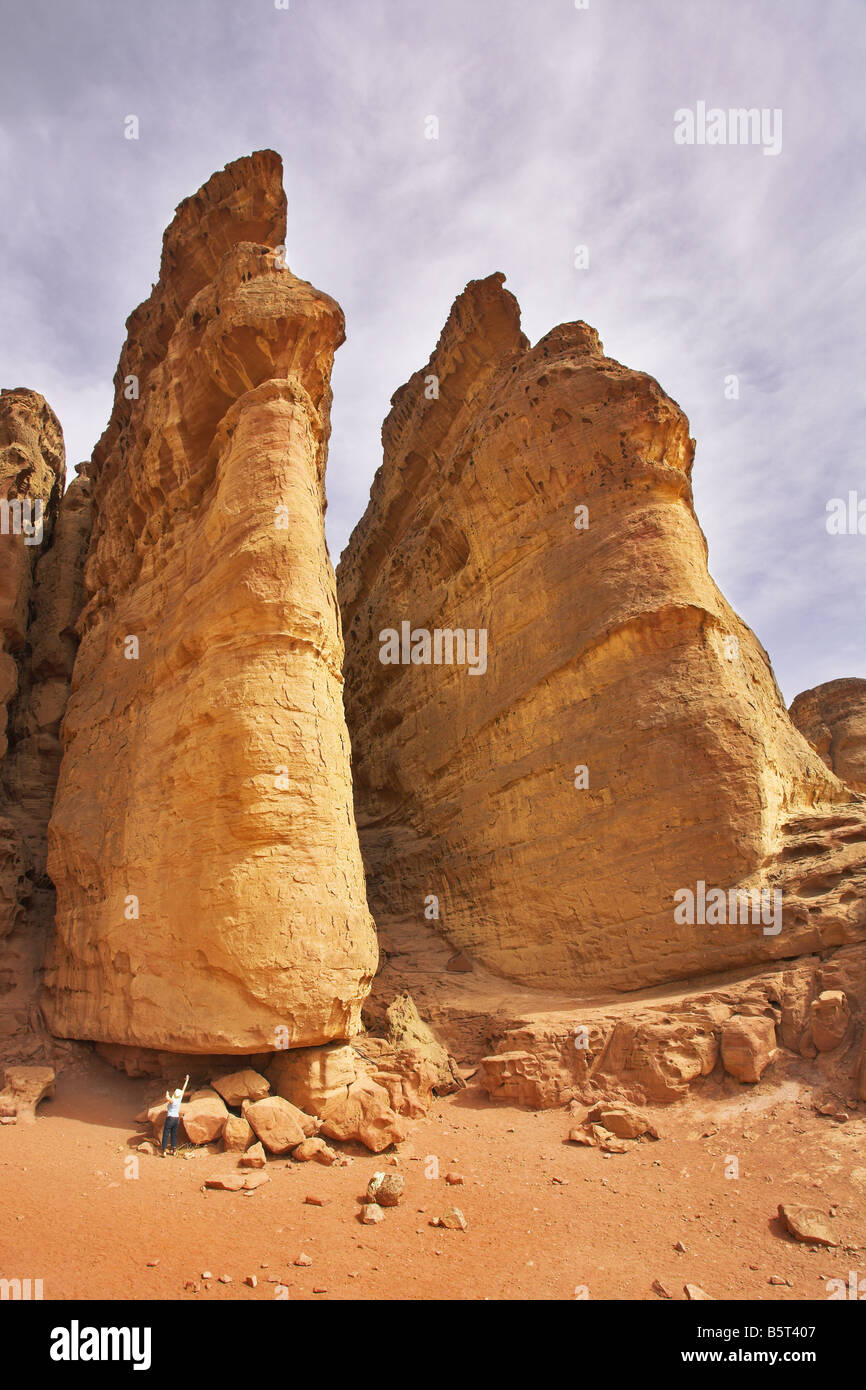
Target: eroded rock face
[[43, 540], [833, 719], [611, 734], [210, 892]]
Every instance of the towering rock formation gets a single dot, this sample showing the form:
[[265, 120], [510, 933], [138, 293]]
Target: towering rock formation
[[42, 544], [210, 891], [833, 719], [614, 738]]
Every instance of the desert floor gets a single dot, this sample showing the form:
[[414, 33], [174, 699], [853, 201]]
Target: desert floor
[[546, 1219]]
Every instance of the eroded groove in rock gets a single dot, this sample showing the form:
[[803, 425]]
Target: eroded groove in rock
[[625, 738], [209, 881], [833, 718]]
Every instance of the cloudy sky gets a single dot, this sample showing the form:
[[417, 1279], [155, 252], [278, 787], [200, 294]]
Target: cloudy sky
[[556, 130]]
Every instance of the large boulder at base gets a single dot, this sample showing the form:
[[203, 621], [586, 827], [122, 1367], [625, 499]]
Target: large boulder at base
[[237, 1134], [364, 1113], [748, 1046], [311, 1076], [204, 1117], [240, 1086], [829, 1017], [23, 1089], [278, 1124]]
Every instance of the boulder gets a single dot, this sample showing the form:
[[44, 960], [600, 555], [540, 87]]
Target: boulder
[[608, 1142], [226, 1182], [279, 1125], [807, 1224], [237, 1134], [748, 1046], [204, 1118], [315, 1151], [386, 1189], [156, 1117], [254, 1157], [829, 1017], [239, 1086], [625, 1121], [410, 1062], [23, 1089], [311, 1076], [453, 1220], [363, 1113]]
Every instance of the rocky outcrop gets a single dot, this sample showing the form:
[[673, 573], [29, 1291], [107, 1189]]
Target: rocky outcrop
[[43, 539], [833, 719], [564, 737], [23, 1089], [210, 891], [788, 1022]]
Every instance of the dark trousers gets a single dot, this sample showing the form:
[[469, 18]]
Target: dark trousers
[[169, 1131]]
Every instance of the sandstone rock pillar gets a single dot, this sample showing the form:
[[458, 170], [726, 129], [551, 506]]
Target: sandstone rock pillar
[[210, 891]]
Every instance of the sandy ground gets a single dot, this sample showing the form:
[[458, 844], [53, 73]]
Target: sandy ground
[[546, 1219]]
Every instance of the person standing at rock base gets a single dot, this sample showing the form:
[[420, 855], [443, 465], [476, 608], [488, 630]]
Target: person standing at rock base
[[172, 1118]]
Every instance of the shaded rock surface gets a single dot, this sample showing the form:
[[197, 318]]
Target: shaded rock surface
[[214, 902], [41, 594]]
